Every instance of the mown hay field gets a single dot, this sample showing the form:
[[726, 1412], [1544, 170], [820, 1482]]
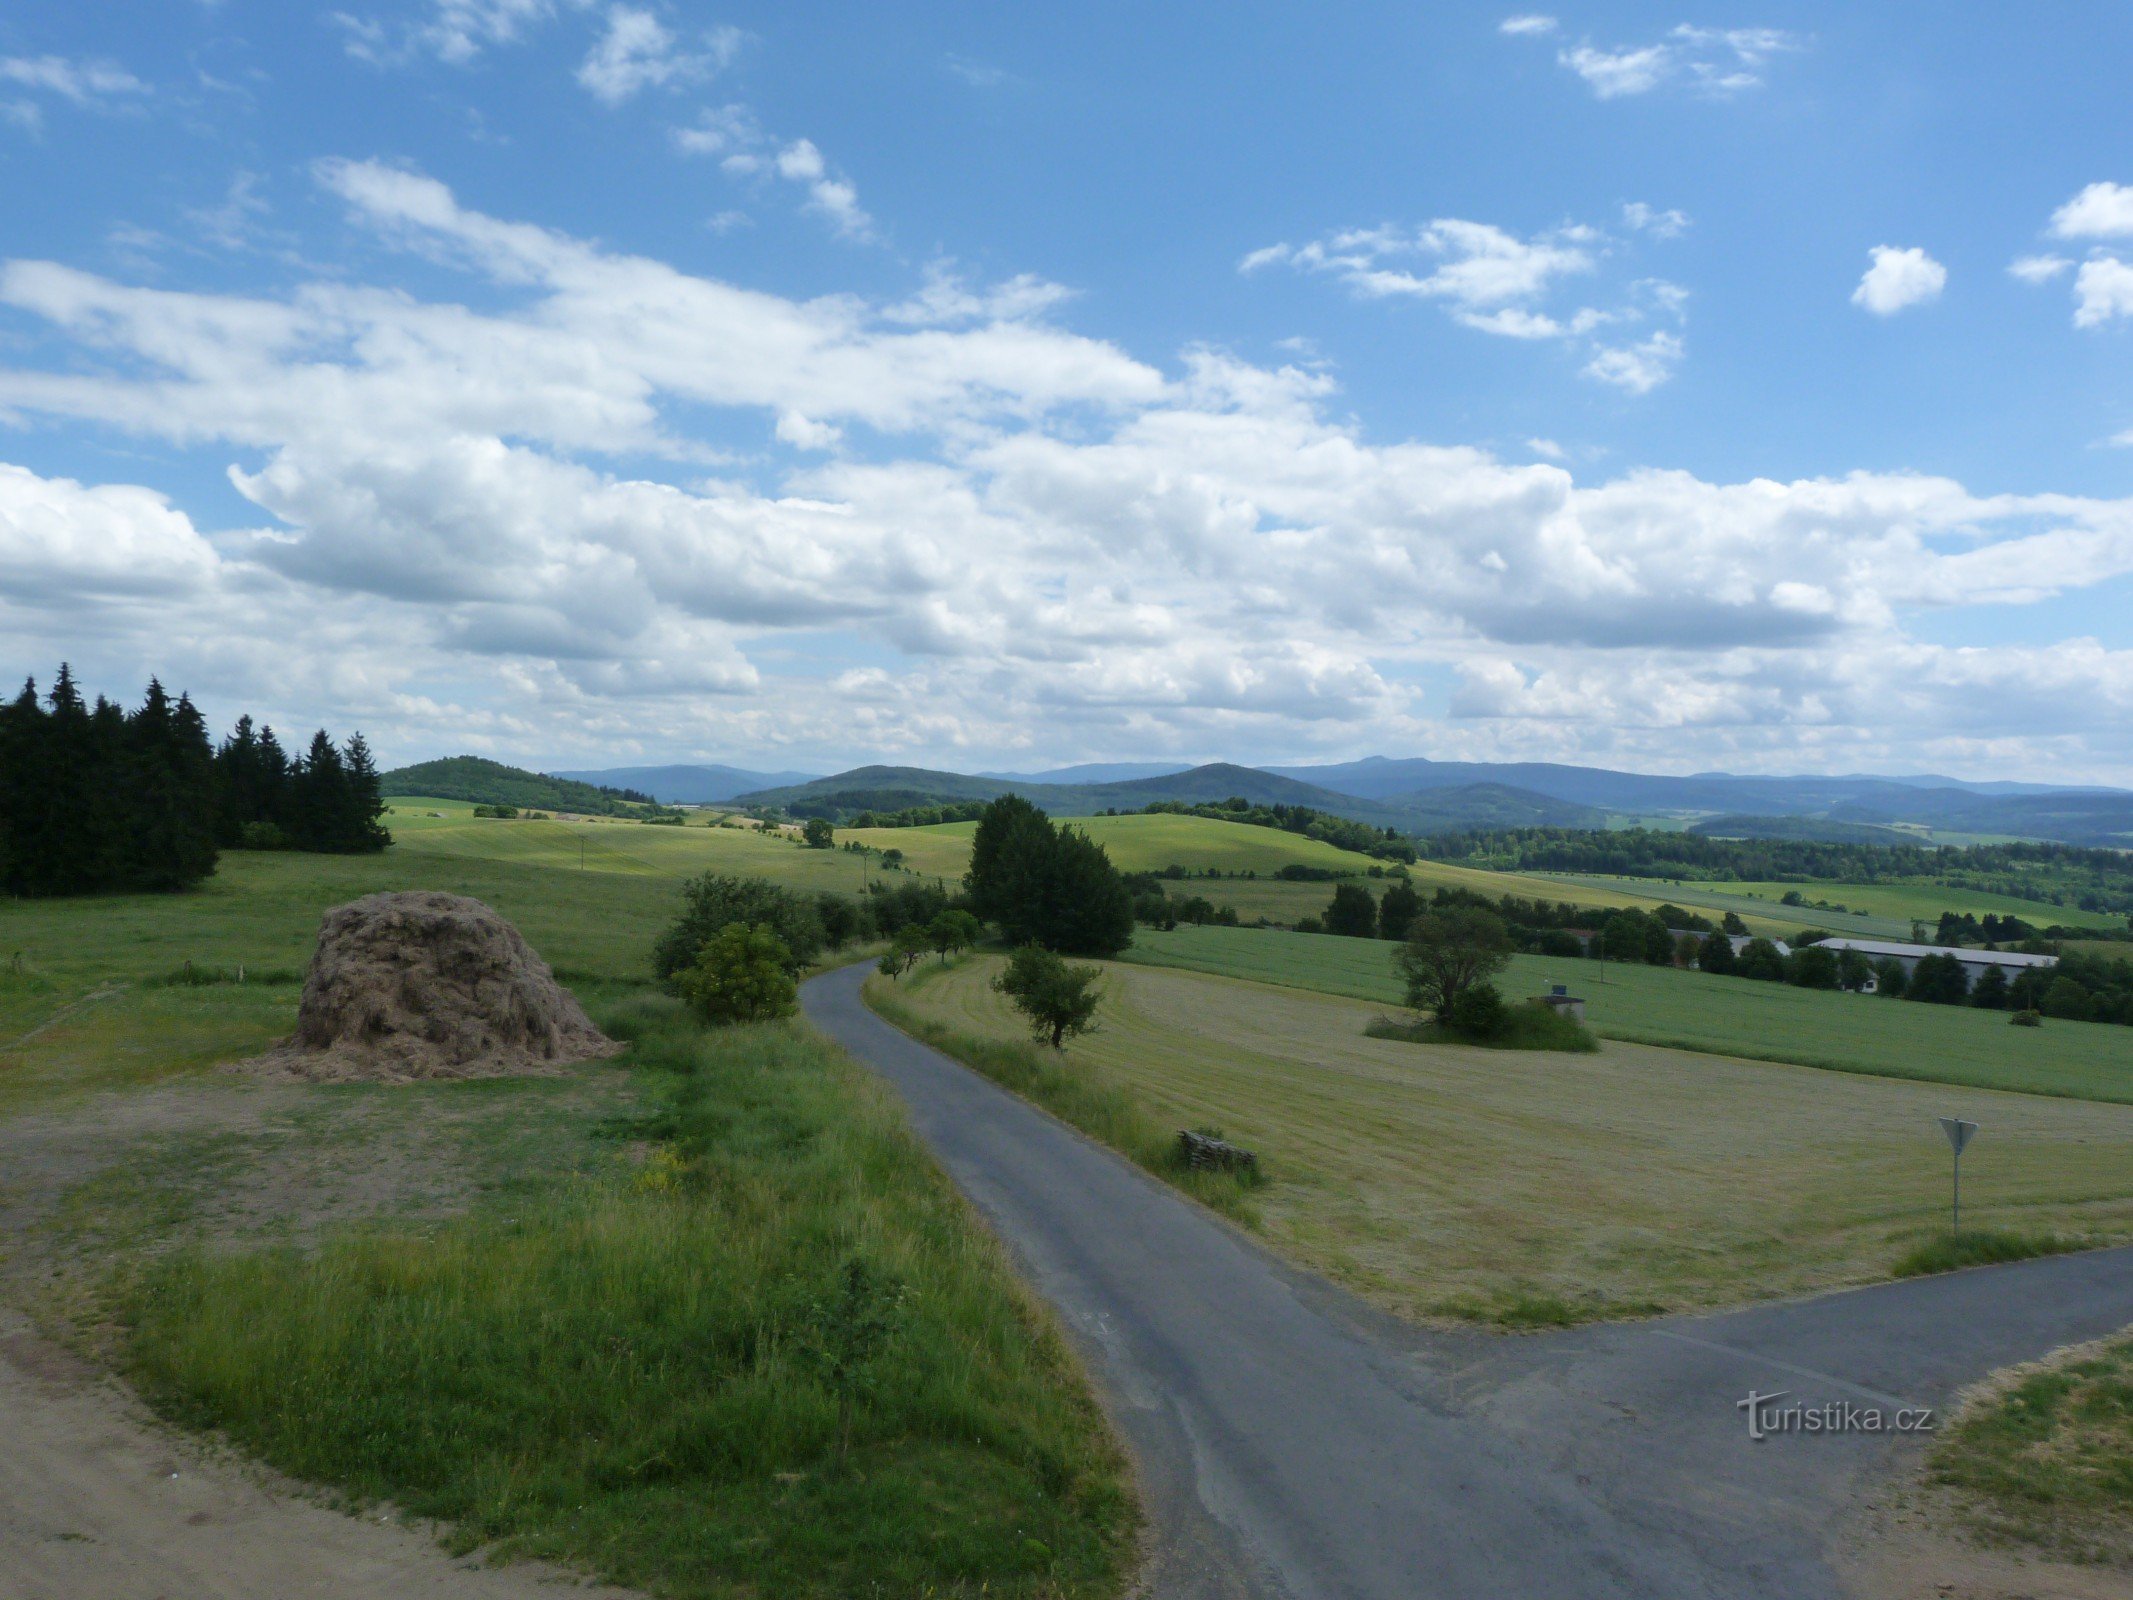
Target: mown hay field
[[1695, 1011], [1447, 1181]]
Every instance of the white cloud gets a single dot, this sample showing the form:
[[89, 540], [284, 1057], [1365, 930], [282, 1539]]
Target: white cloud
[[637, 52], [1492, 281], [1042, 534], [1899, 278], [1526, 26], [2103, 289], [2038, 269], [1641, 218], [90, 85], [1638, 368], [2101, 211], [733, 135], [1713, 61], [803, 434], [978, 74], [1545, 447]]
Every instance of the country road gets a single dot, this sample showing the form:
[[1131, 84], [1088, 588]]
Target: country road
[[1293, 1443]]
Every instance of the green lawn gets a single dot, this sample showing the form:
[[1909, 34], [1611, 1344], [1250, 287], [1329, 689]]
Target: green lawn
[[1726, 1016]]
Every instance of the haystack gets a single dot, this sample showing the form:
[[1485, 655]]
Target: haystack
[[420, 984]]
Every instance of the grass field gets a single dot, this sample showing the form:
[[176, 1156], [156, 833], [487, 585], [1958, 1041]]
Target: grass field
[[2042, 1455], [1872, 910], [1727, 1016], [1527, 1188], [586, 1317]]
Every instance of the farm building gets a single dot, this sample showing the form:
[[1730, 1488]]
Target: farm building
[[1974, 962]]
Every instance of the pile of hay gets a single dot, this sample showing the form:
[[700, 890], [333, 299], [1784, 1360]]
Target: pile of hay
[[420, 984]]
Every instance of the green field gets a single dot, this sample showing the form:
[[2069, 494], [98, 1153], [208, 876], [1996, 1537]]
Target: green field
[[1872, 910], [1726, 1016], [1520, 1187], [578, 1317]]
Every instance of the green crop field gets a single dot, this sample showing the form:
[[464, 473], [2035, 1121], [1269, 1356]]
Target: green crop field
[[1873, 910], [1727, 1016], [1441, 1180], [1149, 843], [570, 1316]]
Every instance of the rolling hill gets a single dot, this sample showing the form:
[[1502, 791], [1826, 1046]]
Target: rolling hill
[[687, 785], [491, 783], [1482, 805]]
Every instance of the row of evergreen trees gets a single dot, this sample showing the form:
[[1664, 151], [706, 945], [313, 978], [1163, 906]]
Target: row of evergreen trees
[[96, 799]]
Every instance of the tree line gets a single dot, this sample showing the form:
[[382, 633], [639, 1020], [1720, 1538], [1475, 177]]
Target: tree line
[[1342, 832], [96, 799], [2043, 873]]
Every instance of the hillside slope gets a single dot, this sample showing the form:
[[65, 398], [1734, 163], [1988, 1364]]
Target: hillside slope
[[491, 783]]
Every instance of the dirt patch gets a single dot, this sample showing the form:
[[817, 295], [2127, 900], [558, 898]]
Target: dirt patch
[[423, 985], [1909, 1549], [100, 1501]]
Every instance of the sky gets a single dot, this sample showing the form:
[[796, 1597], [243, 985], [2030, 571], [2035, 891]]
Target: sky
[[595, 382]]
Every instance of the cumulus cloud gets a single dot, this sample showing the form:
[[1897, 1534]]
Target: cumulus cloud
[[1661, 224], [1043, 533], [636, 51], [1712, 61], [1495, 282], [1899, 278], [2103, 289], [2101, 211], [732, 134]]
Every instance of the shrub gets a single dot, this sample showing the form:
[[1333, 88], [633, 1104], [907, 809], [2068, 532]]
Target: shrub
[[1478, 1012], [1759, 958], [718, 900], [262, 836], [741, 975], [2027, 1019]]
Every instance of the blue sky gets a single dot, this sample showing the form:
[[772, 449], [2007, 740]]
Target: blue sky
[[975, 385]]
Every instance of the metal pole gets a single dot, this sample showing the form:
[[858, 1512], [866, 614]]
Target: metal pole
[[1958, 1192]]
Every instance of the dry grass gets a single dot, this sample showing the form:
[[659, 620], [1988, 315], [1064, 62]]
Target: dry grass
[[1452, 1181]]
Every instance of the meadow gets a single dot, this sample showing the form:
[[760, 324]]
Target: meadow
[[1872, 910], [1696, 1011], [1442, 1181], [596, 1317]]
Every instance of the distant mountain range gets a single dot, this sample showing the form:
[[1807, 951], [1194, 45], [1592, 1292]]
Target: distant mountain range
[[1421, 796], [688, 786]]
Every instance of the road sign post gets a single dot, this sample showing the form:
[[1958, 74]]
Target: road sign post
[[1959, 1133]]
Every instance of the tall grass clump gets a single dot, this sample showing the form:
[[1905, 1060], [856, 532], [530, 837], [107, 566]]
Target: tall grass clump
[[1082, 1095], [774, 1355], [1980, 1247]]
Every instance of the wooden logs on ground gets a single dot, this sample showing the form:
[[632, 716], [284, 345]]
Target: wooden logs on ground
[[1207, 1153]]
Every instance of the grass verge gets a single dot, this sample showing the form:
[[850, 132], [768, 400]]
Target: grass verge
[[2043, 1455], [1981, 1247], [777, 1355], [1076, 1093]]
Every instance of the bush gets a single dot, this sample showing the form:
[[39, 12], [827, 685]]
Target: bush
[[1759, 958], [741, 975], [1477, 1012], [262, 836], [718, 900], [2027, 1019]]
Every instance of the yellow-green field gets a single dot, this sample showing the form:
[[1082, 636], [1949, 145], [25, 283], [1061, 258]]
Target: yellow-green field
[[1872, 910], [1697, 1011], [1443, 1180]]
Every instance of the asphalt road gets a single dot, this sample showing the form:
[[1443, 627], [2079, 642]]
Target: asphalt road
[[1291, 1442]]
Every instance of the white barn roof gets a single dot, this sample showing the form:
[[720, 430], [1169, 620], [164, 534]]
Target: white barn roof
[[1875, 948]]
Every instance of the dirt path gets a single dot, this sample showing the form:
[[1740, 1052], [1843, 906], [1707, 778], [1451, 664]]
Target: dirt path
[[95, 1500]]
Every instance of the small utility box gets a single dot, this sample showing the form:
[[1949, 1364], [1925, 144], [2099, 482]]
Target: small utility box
[[1561, 1001]]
